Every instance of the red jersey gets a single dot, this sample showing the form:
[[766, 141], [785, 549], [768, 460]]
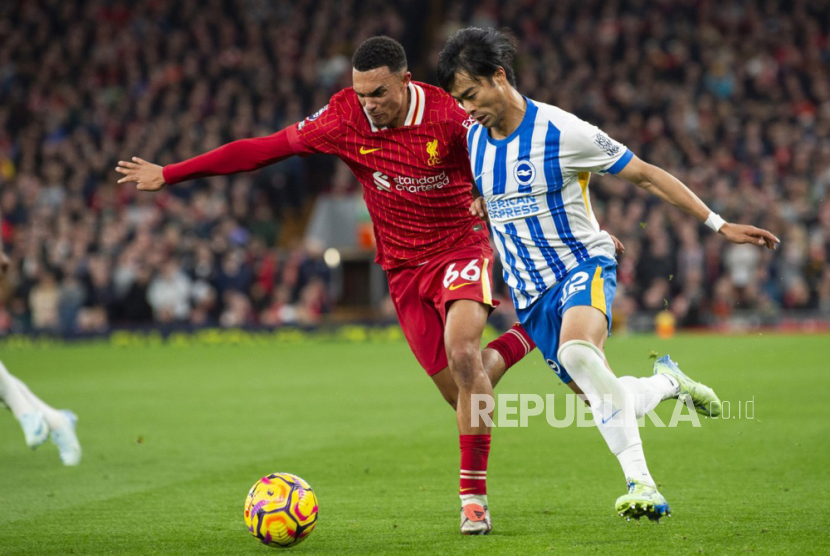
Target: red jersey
[[416, 178]]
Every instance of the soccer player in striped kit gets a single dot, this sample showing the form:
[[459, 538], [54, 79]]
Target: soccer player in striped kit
[[406, 143], [531, 163]]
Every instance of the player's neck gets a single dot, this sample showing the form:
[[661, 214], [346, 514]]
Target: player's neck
[[513, 116], [401, 118]]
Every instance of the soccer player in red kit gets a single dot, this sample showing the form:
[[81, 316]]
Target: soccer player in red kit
[[406, 143]]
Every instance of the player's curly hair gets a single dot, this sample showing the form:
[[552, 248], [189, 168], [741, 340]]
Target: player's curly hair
[[378, 52], [478, 53]]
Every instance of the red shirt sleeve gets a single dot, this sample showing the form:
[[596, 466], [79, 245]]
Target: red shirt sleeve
[[323, 131], [240, 156], [319, 133]]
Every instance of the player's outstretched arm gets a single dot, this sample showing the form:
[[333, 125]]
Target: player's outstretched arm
[[670, 189], [743, 233], [244, 155], [146, 175]]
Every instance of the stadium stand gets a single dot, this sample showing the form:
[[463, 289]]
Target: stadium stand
[[732, 98]]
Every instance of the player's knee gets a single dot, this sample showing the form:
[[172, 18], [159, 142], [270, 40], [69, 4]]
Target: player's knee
[[577, 354], [463, 354], [462, 358]]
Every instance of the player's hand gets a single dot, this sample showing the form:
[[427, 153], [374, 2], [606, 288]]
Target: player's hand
[[479, 208], [741, 233], [4, 262], [619, 248], [146, 175]]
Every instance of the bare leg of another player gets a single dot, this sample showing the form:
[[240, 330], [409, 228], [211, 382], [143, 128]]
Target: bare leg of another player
[[462, 338], [38, 419], [499, 356]]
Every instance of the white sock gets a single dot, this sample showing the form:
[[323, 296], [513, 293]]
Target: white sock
[[611, 404], [633, 462], [12, 396], [647, 392], [54, 418]]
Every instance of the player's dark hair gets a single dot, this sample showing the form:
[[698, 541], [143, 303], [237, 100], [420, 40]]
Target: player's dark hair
[[478, 53], [378, 52]]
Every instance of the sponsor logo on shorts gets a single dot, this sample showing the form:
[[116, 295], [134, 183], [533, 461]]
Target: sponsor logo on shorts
[[556, 368], [364, 150], [454, 287]]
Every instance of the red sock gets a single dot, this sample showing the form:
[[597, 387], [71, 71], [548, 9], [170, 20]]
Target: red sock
[[474, 451], [513, 345]]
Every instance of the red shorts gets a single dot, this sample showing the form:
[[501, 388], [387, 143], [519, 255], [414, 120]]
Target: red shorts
[[422, 294]]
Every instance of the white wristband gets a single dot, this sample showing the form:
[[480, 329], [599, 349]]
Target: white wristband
[[715, 221]]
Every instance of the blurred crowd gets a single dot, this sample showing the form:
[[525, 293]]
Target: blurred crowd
[[84, 84], [731, 97]]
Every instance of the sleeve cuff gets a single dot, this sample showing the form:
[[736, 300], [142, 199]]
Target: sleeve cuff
[[294, 141], [168, 175], [620, 163]]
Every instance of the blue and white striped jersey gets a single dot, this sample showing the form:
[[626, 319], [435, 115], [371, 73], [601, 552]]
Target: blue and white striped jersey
[[535, 183]]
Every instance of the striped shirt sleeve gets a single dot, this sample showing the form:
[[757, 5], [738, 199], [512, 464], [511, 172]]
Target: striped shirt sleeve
[[586, 148]]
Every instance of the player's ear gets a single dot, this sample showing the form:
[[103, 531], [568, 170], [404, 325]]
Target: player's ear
[[407, 77], [500, 76]]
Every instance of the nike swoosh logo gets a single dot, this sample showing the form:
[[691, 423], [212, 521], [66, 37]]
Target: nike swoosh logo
[[466, 489], [364, 150], [612, 416], [454, 287]]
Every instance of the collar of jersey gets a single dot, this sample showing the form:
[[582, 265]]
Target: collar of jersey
[[526, 121], [415, 114]]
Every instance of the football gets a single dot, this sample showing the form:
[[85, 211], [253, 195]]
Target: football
[[281, 510]]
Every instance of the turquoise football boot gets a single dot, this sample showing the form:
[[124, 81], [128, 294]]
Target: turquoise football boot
[[704, 399], [34, 428], [66, 440]]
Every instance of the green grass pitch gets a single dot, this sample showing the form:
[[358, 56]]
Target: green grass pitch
[[175, 435]]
